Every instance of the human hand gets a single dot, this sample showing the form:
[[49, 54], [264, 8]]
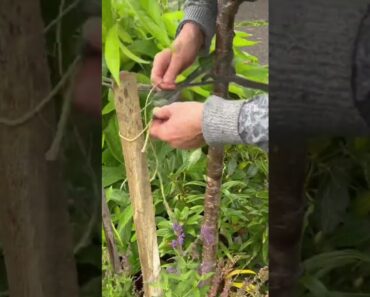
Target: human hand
[[169, 63], [179, 124], [87, 80]]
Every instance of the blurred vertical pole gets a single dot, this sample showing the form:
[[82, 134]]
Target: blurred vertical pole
[[318, 70], [34, 223], [287, 160]]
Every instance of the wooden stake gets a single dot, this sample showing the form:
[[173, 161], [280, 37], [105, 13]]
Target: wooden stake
[[130, 125]]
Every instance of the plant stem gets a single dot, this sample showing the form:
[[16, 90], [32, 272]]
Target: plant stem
[[109, 236]]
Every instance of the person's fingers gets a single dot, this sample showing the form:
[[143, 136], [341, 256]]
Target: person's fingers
[[162, 113], [160, 65], [156, 130], [86, 89], [91, 32], [175, 67]]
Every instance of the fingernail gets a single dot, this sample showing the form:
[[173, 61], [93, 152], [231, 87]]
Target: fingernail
[[155, 110]]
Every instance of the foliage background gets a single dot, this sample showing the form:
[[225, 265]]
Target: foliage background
[[335, 245], [133, 32]]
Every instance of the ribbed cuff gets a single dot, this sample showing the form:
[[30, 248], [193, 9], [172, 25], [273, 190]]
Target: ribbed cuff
[[221, 121], [201, 16]]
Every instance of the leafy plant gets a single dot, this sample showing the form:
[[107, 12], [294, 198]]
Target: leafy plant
[[336, 239], [133, 32]]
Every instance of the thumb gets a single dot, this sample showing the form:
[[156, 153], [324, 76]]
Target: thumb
[[162, 113]]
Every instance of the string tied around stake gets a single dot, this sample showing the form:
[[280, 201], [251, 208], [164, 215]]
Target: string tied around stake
[[147, 126]]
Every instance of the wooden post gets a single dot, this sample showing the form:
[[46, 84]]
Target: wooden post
[[130, 125]]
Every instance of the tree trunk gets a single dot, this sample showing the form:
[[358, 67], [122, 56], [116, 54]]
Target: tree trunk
[[227, 10], [286, 210], [34, 224], [312, 45]]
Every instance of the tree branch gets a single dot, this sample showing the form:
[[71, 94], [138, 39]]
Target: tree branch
[[223, 68]]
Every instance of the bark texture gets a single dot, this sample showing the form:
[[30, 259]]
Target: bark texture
[[34, 223], [286, 209], [312, 44], [227, 10], [361, 68], [128, 109]]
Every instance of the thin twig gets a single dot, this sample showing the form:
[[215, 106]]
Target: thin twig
[[165, 202], [62, 14], [94, 217], [108, 85], [237, 79], [31, 113], [109, 236], [53, 151], [227, 287], [59, 37]]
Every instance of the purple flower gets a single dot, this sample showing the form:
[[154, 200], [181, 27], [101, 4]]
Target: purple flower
[[172, 270], [180, 236], [174, 244], [178, 229], [181, 239]]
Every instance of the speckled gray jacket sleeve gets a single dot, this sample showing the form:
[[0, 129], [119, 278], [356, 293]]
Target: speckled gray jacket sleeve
[[236, 121], [204, 13]]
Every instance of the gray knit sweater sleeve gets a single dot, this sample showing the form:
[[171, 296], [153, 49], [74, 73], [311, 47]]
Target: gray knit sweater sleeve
[[203, 13], [236, 121]]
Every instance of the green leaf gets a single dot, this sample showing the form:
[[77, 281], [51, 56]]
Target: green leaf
[[243, 42], [146, 21], [112, 137], [131, 55], [194, 157], [144, 47], [231, 166], [153, 9], [112, 53], [325, 262], [344, 294], [124, 36], [334, 199], [125, 218], [107, 18], [108, 108], [315, 286], [171, 21], [111, 175], [116, 195]]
